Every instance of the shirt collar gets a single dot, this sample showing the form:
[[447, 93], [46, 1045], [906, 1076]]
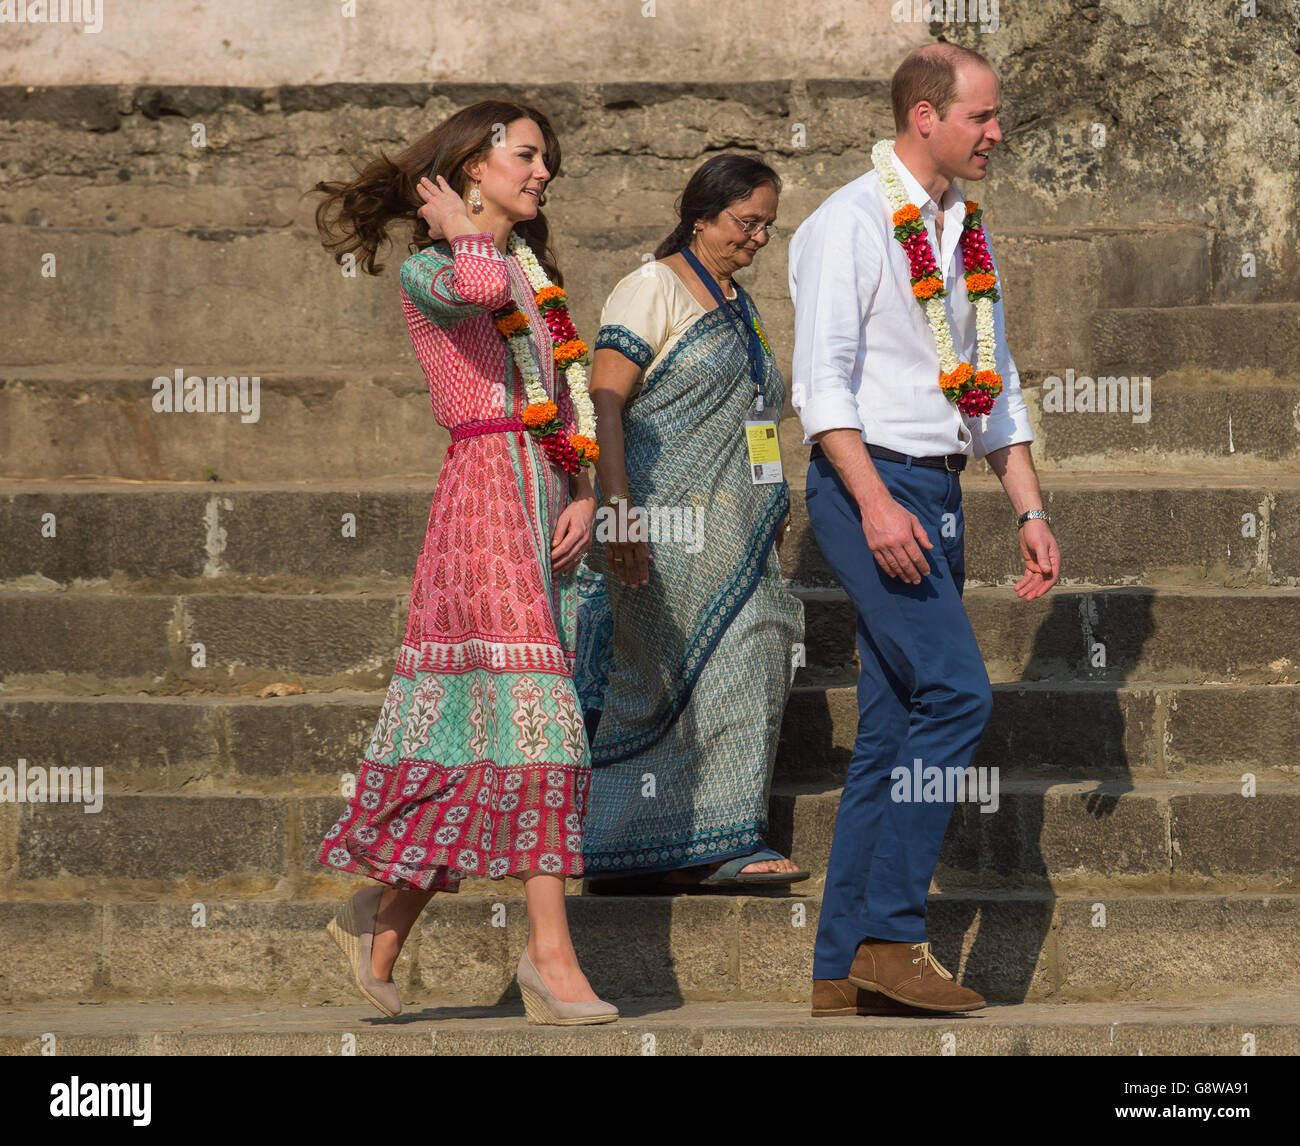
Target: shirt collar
[[921, 197]]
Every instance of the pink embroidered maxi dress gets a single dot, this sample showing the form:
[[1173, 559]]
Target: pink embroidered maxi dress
[[478, 764]]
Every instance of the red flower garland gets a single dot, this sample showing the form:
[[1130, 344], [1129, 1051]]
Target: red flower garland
[[541, 419], [974, 393]]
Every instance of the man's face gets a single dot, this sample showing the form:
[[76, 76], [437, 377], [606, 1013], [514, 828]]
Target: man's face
[[960, 143]]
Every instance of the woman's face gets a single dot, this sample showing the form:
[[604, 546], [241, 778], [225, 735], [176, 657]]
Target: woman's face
[[512, 178], [725, 238]]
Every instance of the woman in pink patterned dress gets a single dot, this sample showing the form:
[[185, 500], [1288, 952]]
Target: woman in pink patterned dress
[[478, 765]]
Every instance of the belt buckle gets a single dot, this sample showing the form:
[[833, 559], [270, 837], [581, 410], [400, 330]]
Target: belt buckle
[[946, 466]]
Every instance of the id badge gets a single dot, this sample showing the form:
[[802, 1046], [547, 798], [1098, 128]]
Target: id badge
[[764, 449]]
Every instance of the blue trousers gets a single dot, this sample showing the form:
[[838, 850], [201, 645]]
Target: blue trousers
[[923, 694]]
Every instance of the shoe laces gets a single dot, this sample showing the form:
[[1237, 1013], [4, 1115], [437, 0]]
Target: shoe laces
[[927, 956]]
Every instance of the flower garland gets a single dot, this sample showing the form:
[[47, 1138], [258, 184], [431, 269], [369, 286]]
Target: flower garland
[[541, 415], [972, 389]]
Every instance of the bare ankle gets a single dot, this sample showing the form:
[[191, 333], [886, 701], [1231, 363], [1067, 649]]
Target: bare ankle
[[551, 952]]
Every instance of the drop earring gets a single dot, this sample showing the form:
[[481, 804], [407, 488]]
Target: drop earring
[[475, 199]]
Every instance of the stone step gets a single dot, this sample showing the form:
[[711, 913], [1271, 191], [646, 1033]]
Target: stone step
[[146, 643], [1239, 422], [1114, 529], [197, 272], [1068, 731], [1169, 635], [1222, 1027], [306, 743], [1218, 336], [1010, 947], [636, 142], [367, 423], [1080, 836], [619, 130]]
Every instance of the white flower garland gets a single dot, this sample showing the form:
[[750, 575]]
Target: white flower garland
[[575, 375], [882, 157]]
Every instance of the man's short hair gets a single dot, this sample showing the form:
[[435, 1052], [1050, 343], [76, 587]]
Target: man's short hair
[[929, 73]]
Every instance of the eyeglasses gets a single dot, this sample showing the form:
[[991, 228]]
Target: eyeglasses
[[754, 226]]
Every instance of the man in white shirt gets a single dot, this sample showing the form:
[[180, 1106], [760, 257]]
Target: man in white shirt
[[882, 486]]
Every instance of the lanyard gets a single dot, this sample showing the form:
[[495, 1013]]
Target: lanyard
[[745, 329]]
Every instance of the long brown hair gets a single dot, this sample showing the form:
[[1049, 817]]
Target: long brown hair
[[354, 216]]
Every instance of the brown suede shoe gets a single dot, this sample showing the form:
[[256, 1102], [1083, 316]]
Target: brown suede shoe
[[909, 973], [840, 997]]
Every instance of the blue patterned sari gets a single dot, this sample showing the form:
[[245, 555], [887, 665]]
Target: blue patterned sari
[[691, 672]]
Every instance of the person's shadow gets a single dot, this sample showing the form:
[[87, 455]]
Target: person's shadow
[[1069, 723], [1065, 721]]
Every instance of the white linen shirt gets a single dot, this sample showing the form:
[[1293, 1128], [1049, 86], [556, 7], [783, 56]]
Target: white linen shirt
[[864, 354]]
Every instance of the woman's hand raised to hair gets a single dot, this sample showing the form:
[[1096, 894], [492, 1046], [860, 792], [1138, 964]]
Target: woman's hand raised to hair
[[443, 210]]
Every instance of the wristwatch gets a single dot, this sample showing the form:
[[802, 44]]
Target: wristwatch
[[1033, 515], [614, 499]]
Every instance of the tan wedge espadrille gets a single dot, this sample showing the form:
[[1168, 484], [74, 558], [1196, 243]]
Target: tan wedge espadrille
[[542, 1007], [353, 929]]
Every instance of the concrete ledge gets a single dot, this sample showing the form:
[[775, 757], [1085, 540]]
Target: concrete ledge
[[698, 1029]]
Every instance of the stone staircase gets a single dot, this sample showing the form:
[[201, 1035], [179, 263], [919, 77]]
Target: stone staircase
[[1124, 879]]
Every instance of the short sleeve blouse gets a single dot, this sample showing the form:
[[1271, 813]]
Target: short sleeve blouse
[[645, 315]]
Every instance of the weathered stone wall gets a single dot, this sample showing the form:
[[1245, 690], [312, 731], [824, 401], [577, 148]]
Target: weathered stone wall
[[1199, 108], [253, 43], [1132, 703], [1122, 254]]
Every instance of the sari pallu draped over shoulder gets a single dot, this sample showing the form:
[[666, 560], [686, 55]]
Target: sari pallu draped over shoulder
[[691, 671]]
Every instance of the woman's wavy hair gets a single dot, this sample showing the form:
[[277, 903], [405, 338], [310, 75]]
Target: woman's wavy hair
[[354, 216], [716, 182]]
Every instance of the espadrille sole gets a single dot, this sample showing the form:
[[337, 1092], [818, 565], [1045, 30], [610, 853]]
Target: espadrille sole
[[345, 931], [539, 1014]]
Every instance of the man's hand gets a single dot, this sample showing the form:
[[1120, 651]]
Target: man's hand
[[892, 533], [1042, 560], [1014, 467]]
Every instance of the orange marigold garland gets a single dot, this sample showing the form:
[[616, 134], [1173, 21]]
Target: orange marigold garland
[[540, 414], [569, 352], [973, 391]]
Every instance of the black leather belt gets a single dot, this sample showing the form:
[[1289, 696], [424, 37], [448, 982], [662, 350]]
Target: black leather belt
[[953, 463]]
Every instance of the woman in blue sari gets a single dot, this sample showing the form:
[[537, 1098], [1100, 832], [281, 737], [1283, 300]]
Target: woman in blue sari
[[686, 632]]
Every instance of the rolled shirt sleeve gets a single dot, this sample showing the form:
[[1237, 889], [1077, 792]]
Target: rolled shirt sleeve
[[1009, 421], [835, 267]]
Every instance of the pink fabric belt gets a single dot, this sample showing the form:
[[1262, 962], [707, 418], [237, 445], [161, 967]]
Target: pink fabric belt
[[485, 426]]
